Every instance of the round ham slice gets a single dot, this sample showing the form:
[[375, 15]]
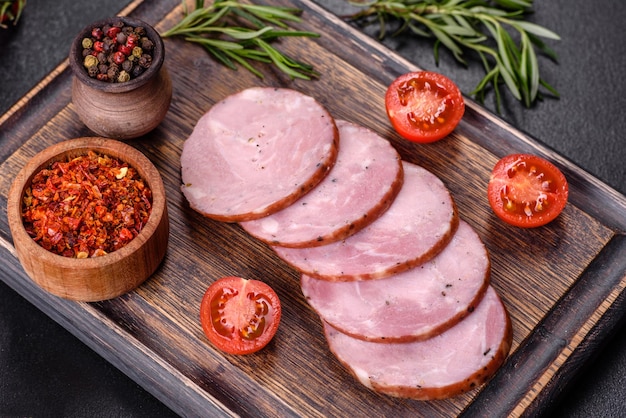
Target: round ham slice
[[361, 185], [456, 361], [419, 223], [410, 306], [256, 152]]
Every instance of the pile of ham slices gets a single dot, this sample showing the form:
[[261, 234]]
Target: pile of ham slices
[[400, 283]]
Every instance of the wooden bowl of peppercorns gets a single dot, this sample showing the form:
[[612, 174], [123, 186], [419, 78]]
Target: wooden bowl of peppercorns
[[89, 218], [121, 88]]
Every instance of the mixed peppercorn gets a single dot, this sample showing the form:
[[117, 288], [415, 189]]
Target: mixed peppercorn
[[86, 207], [117, 52]]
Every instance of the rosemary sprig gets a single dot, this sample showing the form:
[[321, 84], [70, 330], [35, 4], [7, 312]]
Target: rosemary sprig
[[242, 33], [476, 25]]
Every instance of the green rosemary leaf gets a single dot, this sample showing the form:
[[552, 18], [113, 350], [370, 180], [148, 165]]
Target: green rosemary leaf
[[541, 46], [447, 41], [281, 62], [244, 64], [274, 13], [536, 30], [221, 55], [549, 88], [215, 43], [418, 31], [508, 78], [533, 68], [515, 4]]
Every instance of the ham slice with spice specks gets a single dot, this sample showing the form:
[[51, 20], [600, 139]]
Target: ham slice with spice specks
[[256, 152], [419, 223], [454, 362], [414, 305], [359, 188]]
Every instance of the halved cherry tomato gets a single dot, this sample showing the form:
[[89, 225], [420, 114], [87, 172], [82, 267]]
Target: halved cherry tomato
[[424, 106], [240, 316], [527, 190]]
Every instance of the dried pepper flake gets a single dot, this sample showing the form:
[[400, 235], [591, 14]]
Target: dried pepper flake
[[87, 206]]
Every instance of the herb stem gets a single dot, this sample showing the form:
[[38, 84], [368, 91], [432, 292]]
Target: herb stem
[[240, 33], [475, 25]]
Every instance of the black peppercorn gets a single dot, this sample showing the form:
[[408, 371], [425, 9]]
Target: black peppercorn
[[113, 73], [146, 44], [136, 71], [145, 61], [127, 66], [92, 71]]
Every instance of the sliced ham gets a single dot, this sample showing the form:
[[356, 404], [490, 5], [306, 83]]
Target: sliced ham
[[456, 361], [256, 152], [361, 185], [419, 223], [410, 306]]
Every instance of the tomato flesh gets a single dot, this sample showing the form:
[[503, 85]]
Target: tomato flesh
[[526, 190], [424, 106], [240, 316]]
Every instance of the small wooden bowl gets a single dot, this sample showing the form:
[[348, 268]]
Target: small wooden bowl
[[121, 110], [97, 278]]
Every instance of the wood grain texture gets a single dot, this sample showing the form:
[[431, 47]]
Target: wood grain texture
[[563, 283]]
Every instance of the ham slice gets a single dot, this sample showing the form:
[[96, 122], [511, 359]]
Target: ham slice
[[456, 361], [359, 188], [419, 223], [414, 305], [256, 152]]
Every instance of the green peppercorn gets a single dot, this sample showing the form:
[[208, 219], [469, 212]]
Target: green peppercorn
[[137, 51], [90, 61], [87, 43], [123, 77]]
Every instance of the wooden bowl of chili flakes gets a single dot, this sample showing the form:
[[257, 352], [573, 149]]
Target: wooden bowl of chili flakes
[[89, 218]]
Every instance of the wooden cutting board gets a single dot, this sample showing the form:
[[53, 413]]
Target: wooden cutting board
[[563, 284]]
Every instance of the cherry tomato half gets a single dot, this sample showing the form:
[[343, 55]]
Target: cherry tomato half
[[526, 190], [240, 316], [424, 106]]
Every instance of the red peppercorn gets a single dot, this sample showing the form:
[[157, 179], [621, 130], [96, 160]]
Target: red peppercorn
[[132, 40], [98, 46], [102, 77], [125, 49], [113, 31], [119, 57], [97, 33]]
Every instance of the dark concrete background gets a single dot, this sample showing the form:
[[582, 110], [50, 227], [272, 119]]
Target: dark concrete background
[[45, 371]]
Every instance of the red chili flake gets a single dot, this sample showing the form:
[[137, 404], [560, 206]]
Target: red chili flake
[[87, 206]]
